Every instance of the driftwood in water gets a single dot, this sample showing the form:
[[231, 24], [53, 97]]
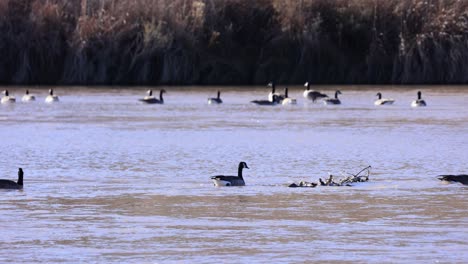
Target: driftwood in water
[[361, 176]]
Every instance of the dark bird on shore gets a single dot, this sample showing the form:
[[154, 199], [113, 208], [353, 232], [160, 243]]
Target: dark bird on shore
[[221, 180], [462, 178], [311, 94], [216, 100], [267, 102], [419, 102], [333, 101], [150, 99], [8, 184]]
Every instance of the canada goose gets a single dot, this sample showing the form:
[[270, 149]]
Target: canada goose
[[462, 178], [275, 101], [311, 94], [273, 93], [287, 100], [28, 97], [419, 102], [216, 100], [333, 101], [51, 98], [383, 101], [150, 99], [7, 98], [221, 180], [7, 184]]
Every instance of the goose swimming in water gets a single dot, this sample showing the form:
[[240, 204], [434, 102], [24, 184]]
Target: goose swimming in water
[[311, 94], [333, 101], [273, 93], [28, 97], [419, 102], [221, 180], [51, 98], [7, 184], [383, 101], [150, 99], [287, 100], [267, 102], [462, 178], [7, 98], [216, 100]]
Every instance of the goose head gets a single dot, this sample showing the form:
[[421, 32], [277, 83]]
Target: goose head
[[307, 85], [286, 92], [379, 95], [273, 86], [51, 92], [337, 93], [419, 95], [27, 92]]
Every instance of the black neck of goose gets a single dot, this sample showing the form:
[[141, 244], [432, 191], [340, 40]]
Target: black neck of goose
[[308, 86], [27, 91], [161, 96], [379, 95], [51, 92], [20, 177], [150, 93], [239, 171], [419, 95], [336, 95], [285, 92], [219, 94], [6, 92]]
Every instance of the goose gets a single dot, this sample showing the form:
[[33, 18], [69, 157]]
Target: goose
[[216, 100], [275, 101], [28, 97], [333, 101], [311, 94], [7, 184], [221, 180], [419, 102], [287, 100], [51, 98], [273, 93], [383, 101], [462, 178], [7, 98], [150, 99]]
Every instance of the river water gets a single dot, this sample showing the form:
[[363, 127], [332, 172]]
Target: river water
[[111, 180]]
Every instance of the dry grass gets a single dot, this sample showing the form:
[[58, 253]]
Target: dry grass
[[233, 41]]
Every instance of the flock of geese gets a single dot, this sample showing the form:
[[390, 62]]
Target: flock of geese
[[274, 98], [221, 180]]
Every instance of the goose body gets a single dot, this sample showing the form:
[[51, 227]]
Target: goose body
[[462, 178], [418, 102], [51, 98], [275, 101], [311, 94], [383, 101], [221, 180], [216, 100], [8, 184], [274, 93], [28, 97], [333, 101], [287, 100], [6, 99], [150, 99]]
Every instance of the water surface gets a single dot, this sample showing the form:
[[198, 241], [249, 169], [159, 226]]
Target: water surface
[[108, 179]]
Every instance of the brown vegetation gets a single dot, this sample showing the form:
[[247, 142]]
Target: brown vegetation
[[233, 41]]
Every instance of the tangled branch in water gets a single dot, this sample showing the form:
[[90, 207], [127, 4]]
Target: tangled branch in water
[[361, 176]]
